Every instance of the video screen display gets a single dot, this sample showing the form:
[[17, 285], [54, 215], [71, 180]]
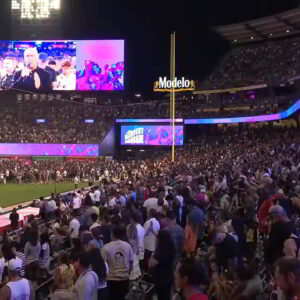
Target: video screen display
[[50, 149], [151, 135], [82, 65]]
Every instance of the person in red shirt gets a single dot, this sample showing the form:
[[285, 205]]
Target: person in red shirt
[[189, 276]]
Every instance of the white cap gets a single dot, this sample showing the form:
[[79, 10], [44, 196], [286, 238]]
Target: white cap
[[15, 264]]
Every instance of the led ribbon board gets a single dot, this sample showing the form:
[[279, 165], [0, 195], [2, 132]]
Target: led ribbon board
[[263, 118]]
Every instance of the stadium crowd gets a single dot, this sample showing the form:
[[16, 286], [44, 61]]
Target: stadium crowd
[[65, 120], [272, 62], [219, 223]]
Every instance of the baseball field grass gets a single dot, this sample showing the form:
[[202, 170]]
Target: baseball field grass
[[13, 194]]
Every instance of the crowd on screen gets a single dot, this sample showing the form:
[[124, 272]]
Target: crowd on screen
[[219, 223], [65, 121], [272, 62]]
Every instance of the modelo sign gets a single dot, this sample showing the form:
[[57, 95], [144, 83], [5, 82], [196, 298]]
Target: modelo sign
[[176, 85]]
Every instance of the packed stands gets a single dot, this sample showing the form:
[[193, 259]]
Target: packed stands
[[270, 62]]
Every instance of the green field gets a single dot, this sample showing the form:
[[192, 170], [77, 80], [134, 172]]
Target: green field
[[12, 194]]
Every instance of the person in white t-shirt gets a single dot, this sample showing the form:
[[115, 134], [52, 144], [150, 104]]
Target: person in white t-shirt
[[97, 196], [151, 229], [119, 257], [157, 204], [74, 227], [67, 80], [136, 221], [76, 202], [76, 181]]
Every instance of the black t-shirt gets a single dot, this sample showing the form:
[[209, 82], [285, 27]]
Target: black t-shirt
[[162, 273], [14, 218], [6, 82], [27, 82], [227, 250], [278, 234], [52, 73], [106, 233]]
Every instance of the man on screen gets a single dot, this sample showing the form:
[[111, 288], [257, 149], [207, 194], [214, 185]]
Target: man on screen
[[32, 77], [7, 74], [43, 64]]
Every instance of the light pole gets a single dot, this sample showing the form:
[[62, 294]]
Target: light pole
[[172, 92]]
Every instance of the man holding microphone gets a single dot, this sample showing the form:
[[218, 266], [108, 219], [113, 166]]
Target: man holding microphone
[[32, 77]]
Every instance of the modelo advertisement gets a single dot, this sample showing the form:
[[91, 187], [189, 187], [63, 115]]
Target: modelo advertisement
[[82, 65], [151, 135]]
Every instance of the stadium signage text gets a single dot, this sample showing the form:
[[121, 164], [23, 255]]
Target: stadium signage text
[[176, 85]]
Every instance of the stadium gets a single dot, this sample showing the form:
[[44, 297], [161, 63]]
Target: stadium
[[138, 166]]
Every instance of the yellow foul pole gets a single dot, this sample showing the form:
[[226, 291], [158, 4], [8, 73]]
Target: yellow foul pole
[[172, 94]]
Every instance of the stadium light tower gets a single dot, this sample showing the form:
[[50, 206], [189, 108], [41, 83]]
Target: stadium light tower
[[36, 16]]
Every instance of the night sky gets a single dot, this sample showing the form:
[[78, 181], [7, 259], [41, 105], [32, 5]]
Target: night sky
[[146, 27]]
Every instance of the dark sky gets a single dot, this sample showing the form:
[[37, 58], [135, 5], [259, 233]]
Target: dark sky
[[146, 27]]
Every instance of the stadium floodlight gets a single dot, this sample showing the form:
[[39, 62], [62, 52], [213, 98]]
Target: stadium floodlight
[[35, 9]]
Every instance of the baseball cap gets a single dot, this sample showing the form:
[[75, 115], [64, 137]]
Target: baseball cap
[[43, 56], [14, 264]]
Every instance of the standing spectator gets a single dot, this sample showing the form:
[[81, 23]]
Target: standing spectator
[[86, 286], [133, 240], [156, 203], [151, 228], [32, 252], [136, 221], [287, 275], [16, 248], [227, 251], [177, 234], [97, 196], [189, 276], [44, 261], [17, 288], [14, 219], [281, 229], [161, 265], [76, 203], [74, 227], [100, 267], [64, 276], [119, 257]]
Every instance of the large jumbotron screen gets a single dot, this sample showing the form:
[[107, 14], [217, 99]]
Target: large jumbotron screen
[[82, 65], [151, 135]]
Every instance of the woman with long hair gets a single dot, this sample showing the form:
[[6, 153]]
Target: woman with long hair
[[101, 269], [44, 260], [32, 252], [161, 265]]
